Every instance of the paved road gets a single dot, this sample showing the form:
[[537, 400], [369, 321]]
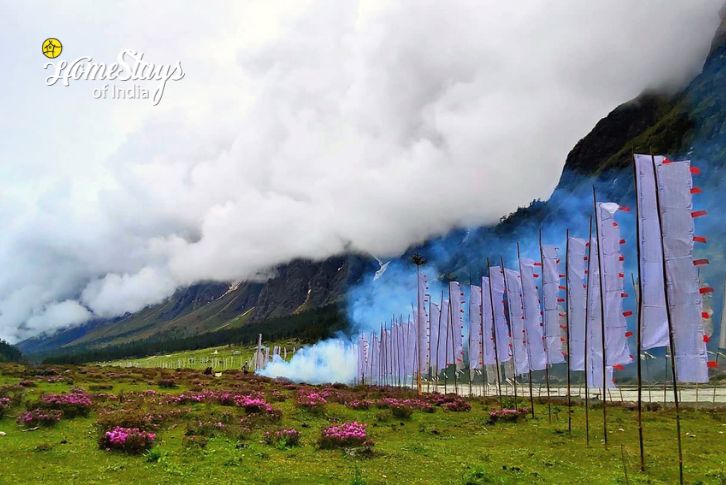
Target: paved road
[[691, 394]]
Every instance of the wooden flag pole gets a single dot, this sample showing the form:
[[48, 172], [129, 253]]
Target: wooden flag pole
[[639, 330], [511, 332], [587, 336], [671, 339], [602, 322], [526, 335], [546, 344], [567, 330], [494, 334]]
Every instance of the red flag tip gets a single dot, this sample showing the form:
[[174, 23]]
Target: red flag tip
[[700, 213]]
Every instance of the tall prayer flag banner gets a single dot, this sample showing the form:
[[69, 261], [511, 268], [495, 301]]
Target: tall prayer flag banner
[[532, 316], [487, 323], [576, 304], [456, 297], [654, 319], [475, 327], [496, 279], [674, 184], [550, 293], [516, 319], [613, 277]]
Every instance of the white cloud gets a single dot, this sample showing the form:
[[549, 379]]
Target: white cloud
[[301, 129]]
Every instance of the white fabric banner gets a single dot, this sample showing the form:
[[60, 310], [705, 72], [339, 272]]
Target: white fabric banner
[[475, 328], [516, 320], [616, 343], [488, 322], [501, 327], [550, 295], [576, 264], [532, 316], [654, 320], [594, 324], [411, 348], [444, 336], [684, 298], [435, 315]]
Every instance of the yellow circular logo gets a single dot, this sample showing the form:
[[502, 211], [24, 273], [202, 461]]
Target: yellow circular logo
[[52, 48]]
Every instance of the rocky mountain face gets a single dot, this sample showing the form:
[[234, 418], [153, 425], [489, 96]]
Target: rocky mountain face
[[689, 123], [296, 287]]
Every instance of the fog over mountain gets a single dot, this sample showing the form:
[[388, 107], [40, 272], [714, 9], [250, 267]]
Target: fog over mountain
[[300, 130]]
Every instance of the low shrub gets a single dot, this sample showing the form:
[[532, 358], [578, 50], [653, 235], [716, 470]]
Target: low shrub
[[129, 440], [5, 403], [195, 441], [344, 435], [457, 405], [310, 400], [149, 418], [506, 415], [166, 383], [253, 404], [283, 438], [75, 403], [359, 404], [40, 417]]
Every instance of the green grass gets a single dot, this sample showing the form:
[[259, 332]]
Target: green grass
[[442, 447], [219, 358]]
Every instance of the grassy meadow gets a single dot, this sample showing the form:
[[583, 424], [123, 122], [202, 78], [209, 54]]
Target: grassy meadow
[[223, 357], [212, 430]]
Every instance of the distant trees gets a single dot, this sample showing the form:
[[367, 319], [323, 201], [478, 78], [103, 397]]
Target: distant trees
[[309, 326], [9, 353]]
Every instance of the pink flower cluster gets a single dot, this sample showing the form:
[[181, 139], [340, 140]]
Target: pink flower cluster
[[225, 398], [310, 399], [450, 402], [128, 439], [253, 404], [73, 398], [72, 404], [40, 417], [4, 403], [506, 414], [351, 433]]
